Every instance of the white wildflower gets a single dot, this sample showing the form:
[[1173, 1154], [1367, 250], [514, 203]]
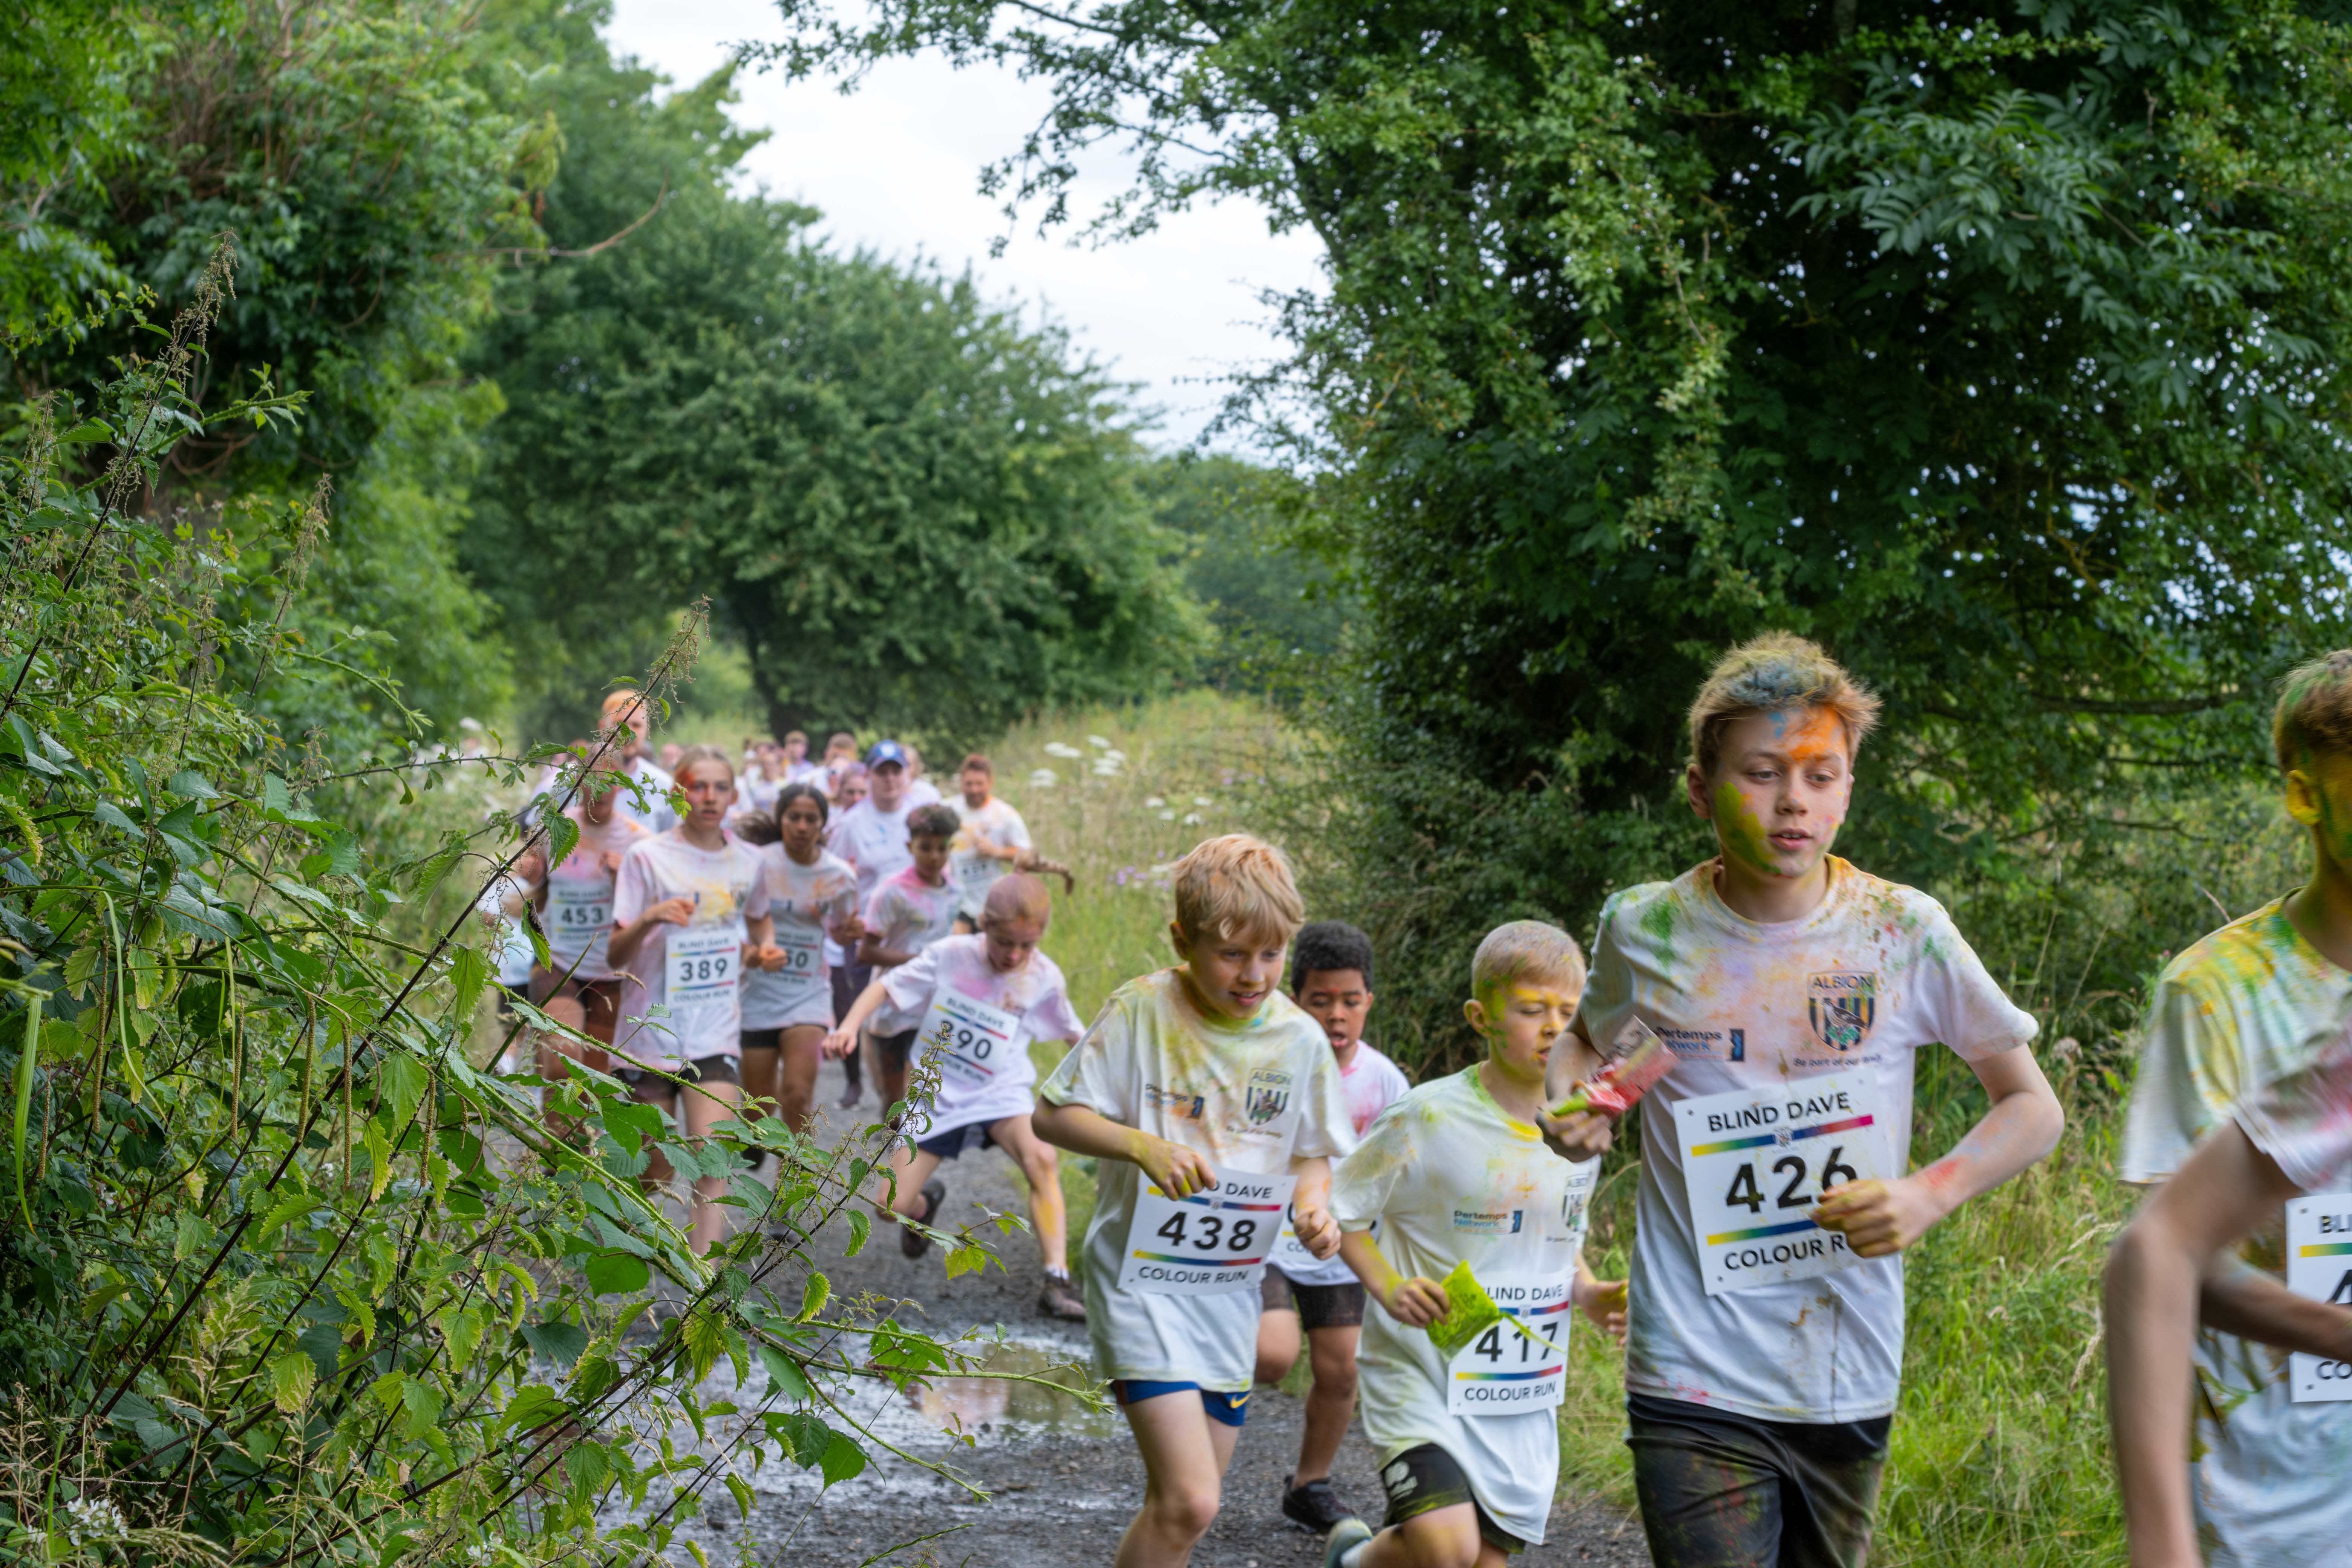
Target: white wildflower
[[1097, 742], [1116, 755], [1043, 778], [1154, 802], [94, 1522], [1191, 818], [1062, 749], [1167, 817], [1203, 800]]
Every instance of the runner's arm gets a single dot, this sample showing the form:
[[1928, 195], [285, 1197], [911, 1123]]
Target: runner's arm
[[1082, 1129], [1600, 1300], [1880, 1218], [1416, 1303], [627, 938], [844, 1038], [763, 943], [1586, 1133], [2227, 1189], [1310, 1205], [2240, 1300]]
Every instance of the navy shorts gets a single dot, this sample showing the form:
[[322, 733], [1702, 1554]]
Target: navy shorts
[[1227, 1409]]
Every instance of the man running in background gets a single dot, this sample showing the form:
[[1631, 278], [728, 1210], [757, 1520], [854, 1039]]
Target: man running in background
[[654, 784], [994, 841]]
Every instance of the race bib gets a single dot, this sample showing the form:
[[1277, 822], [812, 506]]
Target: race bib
[[1755, 1162], [803, 960], [1505, 1371], [1210, 1244], [2319, 1265], [976, 870], [703, 966], [971, 1041], [577, 914]]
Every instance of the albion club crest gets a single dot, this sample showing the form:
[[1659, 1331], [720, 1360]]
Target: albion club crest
[[1268, 1097], [1841, 1007]]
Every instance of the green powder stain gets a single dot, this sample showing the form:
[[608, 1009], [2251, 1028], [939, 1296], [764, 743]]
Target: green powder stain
[[1658, 925], [1740, 830]]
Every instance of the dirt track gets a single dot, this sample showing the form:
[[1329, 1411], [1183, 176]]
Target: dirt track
[[1064, 1482]]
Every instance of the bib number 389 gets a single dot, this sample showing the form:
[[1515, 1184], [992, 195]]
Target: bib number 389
[[1755, 1164], [1209, 1244]]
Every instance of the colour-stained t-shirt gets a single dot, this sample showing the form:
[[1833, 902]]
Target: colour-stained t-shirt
[[803, 901], [727, 890], [1367, 1083], [1005, 1083], [655, 812], [908, 914], [873, 841], [1450, 1177], [1872, 975], [971, 872], [1249, 1097], [578, 915], [2245, 1006]]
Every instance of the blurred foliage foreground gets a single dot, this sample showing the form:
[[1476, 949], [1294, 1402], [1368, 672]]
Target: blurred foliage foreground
[[290, 1279]]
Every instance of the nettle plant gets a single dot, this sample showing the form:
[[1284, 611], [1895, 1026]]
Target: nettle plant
[[291, 1277]]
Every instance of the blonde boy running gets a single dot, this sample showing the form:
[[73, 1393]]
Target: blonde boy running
[[1204, 1094], [1794, 991], [975, 1003], [1456, 1172], [2242, 1103]]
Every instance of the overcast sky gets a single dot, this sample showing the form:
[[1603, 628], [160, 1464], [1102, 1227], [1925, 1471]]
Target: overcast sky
[[895, 167]]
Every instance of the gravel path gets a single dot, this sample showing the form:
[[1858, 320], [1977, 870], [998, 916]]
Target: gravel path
[[1062, 1481]]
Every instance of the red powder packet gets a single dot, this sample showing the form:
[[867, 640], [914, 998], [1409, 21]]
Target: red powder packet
[[1641, 1061]]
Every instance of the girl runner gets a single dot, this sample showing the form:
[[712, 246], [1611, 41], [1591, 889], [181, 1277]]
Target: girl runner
[[849, 977], [689, 909], [812, 900], [575, 909]]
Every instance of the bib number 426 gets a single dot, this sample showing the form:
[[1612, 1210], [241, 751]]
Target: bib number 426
[[1803, 1187], [1755, 1164]]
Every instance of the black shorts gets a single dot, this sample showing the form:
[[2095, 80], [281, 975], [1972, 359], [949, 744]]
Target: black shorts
[[895, 1049], [952, 1143], [701, 1069], [1318, 1306], [1426, 1478], [1718, 1489]]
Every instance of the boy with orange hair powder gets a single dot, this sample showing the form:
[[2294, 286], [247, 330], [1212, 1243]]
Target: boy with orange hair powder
[[1213, 1107]]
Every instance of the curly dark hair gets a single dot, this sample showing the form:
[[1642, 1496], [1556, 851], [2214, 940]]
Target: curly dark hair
[[933, 821], [1329, 944]]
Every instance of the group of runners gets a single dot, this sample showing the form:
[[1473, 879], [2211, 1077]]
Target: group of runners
[[1267, 1179]]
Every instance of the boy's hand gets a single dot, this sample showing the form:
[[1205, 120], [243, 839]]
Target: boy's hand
[[1416, 1303], [838, 1044], [1879, 1218], [1317, 1231], [1175, 1169], [672, 911], [1578, 1136], [768, 957], [1602, 1301]]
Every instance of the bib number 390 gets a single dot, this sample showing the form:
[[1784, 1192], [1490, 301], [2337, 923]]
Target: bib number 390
[[1209, 1244], [1756, 1162], [968, 1039]]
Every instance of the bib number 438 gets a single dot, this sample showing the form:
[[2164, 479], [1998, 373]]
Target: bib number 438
[[1210, 1244], [1756, 1162]]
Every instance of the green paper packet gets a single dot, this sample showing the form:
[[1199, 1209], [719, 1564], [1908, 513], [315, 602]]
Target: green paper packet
[[1469, 1311]]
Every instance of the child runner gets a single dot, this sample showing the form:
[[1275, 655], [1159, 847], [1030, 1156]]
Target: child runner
[[1205, 1095], [798, 769], [912, 909], [2245, 1062], [575, 904], [707, 884], [849, 976], [1768, 1339], [1331, 979], [1458, 1174], [978, 1002], [872, 836], [811, 898]]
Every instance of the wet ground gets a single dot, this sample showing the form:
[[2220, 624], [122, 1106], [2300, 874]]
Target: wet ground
[[1061, 1480]]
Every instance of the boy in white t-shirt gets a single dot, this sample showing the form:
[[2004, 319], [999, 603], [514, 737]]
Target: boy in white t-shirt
[[1205, 1096], [1331, 979], [1456, 1175], [1768, 1341], [2248, 1061], [973, 1003], [913, 907]]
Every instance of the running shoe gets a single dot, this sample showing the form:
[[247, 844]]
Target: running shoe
[[912, 1242], [850, 1095], [1062, 1300], [1346, 1536], [1314, 1505]]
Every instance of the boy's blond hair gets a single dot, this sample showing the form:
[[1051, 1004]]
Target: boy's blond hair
[[1770, 674], [2315, 709], [1236, 886], [1527, 950]]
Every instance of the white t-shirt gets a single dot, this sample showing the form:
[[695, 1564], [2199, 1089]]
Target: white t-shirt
[[1450, 1177], [1249, 1097], [1739, 1004], [804, 769], [728, 890], [1368, 1084], [1035, 992], [578, 917], [802, 901], [873, 841], [972, 873], [2246, 1007], [656, 814], [908, 914], [755, 792], [511, 957], [921, 792]]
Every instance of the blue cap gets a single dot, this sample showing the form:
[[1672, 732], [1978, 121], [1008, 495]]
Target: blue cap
[[882, 752]]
